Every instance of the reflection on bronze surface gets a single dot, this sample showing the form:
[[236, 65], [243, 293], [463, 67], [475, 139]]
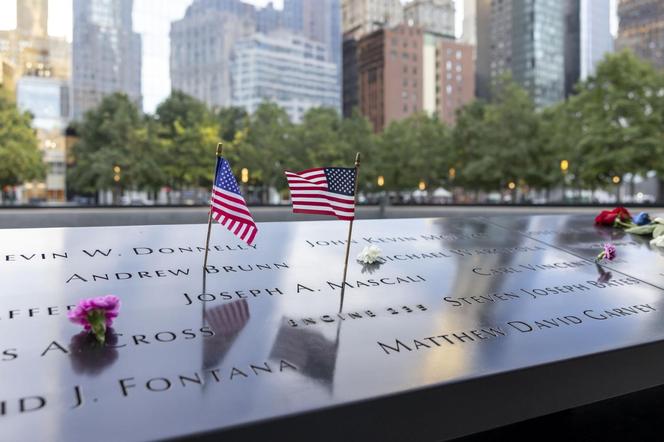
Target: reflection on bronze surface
[[88, 356]]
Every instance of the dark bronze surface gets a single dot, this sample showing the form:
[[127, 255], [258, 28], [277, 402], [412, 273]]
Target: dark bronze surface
[[459, 295]]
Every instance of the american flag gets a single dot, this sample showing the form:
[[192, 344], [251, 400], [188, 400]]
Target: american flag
[[324, 191], [227, 205]]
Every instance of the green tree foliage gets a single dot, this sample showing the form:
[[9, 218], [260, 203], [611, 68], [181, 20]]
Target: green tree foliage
[[231, 120], [497, 143], [189, 135], [620, 110], [109, 135], [414, 149], [265, 147], [20, 158], [613, 126]]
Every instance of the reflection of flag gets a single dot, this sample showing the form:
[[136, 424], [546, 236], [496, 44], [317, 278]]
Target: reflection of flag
[[314, 355], [227, 321], [228, 318], [228, 206], [324, 191]]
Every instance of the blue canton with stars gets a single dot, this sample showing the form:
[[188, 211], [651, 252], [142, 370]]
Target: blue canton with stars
[[225, 179], [340, 180]]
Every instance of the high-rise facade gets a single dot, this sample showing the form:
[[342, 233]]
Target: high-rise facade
[[32, 17], [362, 17], [435, 16], [203, 42], [318, 20], [202, 48], [641, 29], [29, 48], [36, 67], [525, 39], [448, 76], [587, 39], [47, 99], [389, 66], [106, 53], [483, 49], [469, 25], [286, 69]]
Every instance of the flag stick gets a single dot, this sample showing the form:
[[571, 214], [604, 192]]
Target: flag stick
[[207, 240], [350, 232]]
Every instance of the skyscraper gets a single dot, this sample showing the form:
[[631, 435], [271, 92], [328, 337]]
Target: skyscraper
[[107, 53], [483, 49], [32, 17], [203, 42], [389, 66], [587, 39], [469, 31], [361, 17], [318, 20], [526, 40], [30, 49], [431, 15], [202, 45], [448, 76], [47, 99], [641, 29], [286, 69]]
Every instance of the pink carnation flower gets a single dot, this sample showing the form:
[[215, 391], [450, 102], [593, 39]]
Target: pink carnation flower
[[96, 314], [609, 251]]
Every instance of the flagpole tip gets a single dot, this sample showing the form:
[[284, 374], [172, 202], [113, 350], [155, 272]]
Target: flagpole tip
[[220, 147], [357, 160]]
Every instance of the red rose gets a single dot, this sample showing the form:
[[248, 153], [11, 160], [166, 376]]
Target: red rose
[[622, 213], [608, 217]]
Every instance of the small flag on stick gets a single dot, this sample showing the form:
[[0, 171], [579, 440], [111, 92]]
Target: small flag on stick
[[327, 191], [227, 206], [324, 191]]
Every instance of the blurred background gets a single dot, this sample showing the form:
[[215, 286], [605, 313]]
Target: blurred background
[[122, 102]]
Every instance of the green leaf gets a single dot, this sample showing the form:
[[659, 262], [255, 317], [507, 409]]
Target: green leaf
[[659, 231], [642, 230], [97, 320]]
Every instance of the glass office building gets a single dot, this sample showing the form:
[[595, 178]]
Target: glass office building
[[286, 69], [525, 38]]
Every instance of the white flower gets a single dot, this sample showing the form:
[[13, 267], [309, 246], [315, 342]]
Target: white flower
[[659, 241], [369, 255]]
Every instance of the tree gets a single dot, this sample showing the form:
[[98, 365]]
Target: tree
[[231, 121], [621, 114], [183, 109], [20, 158], [356, 133], [415, 149], [108, 139], [468, 146], [265, 146], [502, 140], [189, 134]]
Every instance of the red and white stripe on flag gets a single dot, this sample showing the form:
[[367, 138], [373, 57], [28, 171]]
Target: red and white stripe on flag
[[310, 193], [231, 211]]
